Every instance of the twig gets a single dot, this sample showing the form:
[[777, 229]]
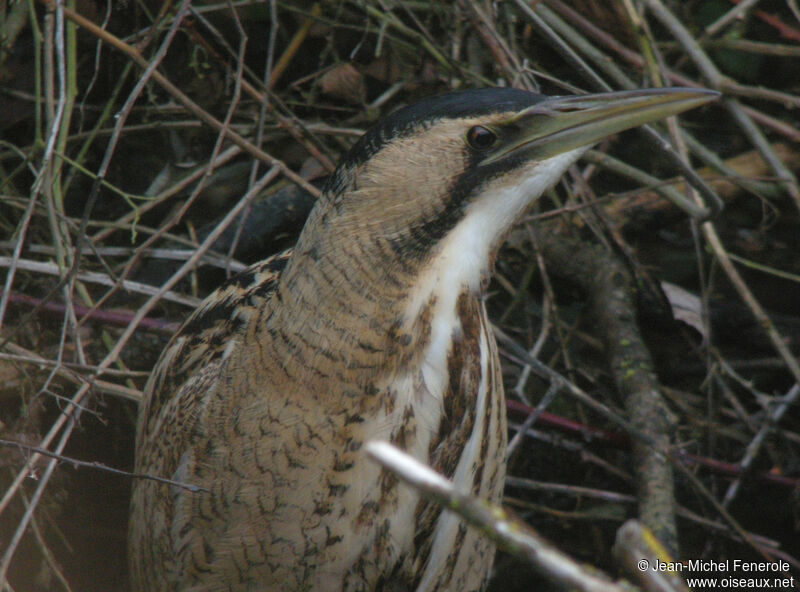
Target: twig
[[579, 395], [68, 416], [733, 14], [610, 288], [198, 174], [190, 105], [72, 412], [710, 233], [511, 535], [717, 80], [772, 417], [100, 466], [22, 230], [110, 317], [100, 278], [74, 377], [294, 44], [190, 263], [712, 203]]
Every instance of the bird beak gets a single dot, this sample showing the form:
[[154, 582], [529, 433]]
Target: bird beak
[[560, 124]]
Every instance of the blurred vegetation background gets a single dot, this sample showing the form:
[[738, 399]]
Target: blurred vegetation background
[[132, 133]]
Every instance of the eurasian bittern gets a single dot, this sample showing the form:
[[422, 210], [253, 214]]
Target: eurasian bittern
[[374, 327]]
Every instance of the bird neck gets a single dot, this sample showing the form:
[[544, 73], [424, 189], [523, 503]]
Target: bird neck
[[337, 308], [364, 304]]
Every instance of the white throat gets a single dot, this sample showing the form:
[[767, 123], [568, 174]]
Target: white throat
[[462, 261]]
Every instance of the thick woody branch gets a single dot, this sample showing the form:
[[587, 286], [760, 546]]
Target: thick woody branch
[[610, 287]]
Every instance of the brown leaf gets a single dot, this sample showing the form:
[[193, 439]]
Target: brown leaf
[[344, 82]]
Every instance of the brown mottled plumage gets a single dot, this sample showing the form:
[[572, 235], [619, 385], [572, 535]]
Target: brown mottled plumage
[[372, 328]]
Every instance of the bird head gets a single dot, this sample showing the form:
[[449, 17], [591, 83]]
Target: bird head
[[455, 171]]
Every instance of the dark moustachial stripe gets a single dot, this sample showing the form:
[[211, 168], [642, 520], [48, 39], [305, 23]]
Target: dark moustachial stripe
[[416, 241]]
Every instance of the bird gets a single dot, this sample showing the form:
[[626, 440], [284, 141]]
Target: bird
[[373, 327]]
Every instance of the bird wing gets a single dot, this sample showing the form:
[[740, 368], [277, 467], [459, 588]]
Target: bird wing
[[203, 338]]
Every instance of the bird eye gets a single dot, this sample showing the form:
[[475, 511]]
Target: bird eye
[[480, 138]]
